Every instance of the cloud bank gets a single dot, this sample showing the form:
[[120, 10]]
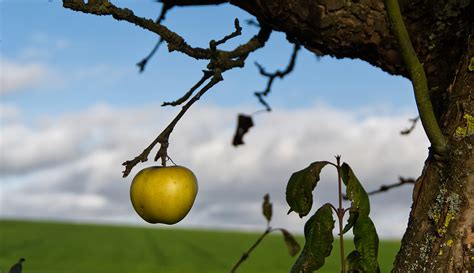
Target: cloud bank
[[69, 167], [15, 76]]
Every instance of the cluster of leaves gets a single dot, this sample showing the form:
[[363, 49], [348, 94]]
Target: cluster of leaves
[[319, 228]]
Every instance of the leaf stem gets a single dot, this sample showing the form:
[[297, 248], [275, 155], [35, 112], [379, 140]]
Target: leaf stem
[[340, 214]]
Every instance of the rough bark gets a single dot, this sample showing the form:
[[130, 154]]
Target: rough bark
[[359, 29], [440, 234]]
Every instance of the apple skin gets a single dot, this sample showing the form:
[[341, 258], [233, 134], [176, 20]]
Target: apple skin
[[163, 194]]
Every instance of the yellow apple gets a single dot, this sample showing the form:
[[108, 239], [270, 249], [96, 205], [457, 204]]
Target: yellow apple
[[163, 194]]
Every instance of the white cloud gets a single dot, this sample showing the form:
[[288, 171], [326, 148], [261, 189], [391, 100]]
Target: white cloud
[[43, 46], [19, 76], [76, 161], [9, 113]]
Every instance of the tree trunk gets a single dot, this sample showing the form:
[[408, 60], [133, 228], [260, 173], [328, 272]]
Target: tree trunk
[[440, 234]]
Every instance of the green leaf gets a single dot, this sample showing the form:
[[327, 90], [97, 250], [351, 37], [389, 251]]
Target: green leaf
[[354, 191], [353, 262], [299, 190], [318, 241], [366, 243], [366, 240], [353, 215], [290, 241], [267, 208]]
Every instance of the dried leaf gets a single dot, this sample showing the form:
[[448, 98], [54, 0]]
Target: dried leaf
[[267, 208], [244, 123], [290, 241]]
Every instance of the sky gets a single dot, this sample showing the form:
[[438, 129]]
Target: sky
[[73, 107]]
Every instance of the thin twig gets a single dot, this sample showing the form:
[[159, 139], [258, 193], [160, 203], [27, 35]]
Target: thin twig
[[164, 136], [237, 32], [219, 61], [413, 125], [384, 188], [271, 77], [174, 40], [183, 3], [164, 9], [246, 254], [142, 64], [207, 75], [252, 22]]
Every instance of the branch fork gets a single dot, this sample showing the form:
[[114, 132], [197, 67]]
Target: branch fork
[[219, 62]]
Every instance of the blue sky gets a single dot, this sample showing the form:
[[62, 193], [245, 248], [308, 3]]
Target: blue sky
[[74, 107], [68, 42]]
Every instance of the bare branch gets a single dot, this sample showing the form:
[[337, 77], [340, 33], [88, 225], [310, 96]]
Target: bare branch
[[161, 17], [237, 32], [384, 188], [271, 76], [175, 41], [141, 65], [413, 124], [207, 75], [252, 22], [246, 254], [165, 134], [193, 2], [219, 61]]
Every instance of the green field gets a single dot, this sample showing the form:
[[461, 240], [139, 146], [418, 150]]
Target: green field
[[73, 248]]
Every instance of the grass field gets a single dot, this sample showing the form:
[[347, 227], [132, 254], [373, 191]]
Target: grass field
[[73, 248]]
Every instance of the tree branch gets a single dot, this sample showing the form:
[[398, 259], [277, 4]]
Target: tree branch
[[161, 17], [193, 2], [103, 7], [418, 78], [219, 61], [413, 124], [163, 137], [141, 65], [174, 40], [237, 32], [271, 76], [384, 188], [247, 253], [207, 75]]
